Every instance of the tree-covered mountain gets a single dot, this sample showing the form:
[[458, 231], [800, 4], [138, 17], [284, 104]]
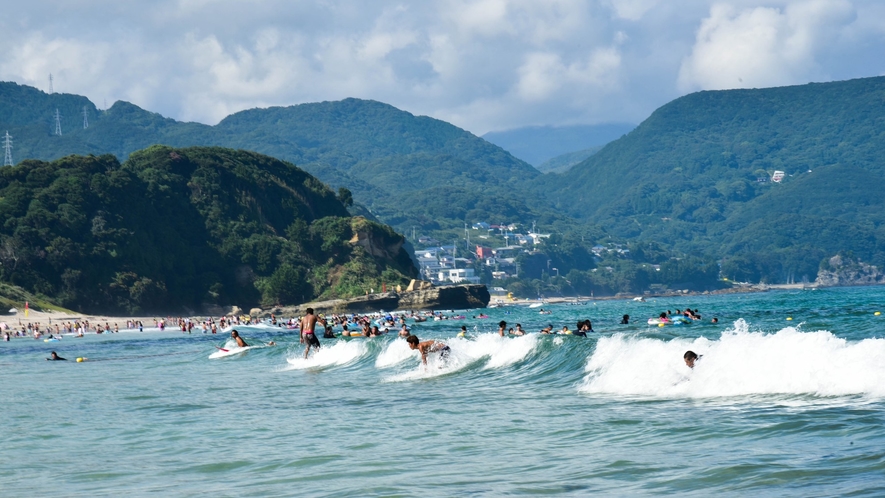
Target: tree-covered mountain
[[696, 177], [175, 229], [380, 153], [692, 178]]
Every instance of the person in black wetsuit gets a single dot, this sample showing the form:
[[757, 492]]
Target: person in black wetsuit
[[328, 333], [625, 320], [582, 329], [55, 357]]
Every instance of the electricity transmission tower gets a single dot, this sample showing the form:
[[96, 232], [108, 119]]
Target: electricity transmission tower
[[57, 123], [50, 84], [85, 118], [7, 145]]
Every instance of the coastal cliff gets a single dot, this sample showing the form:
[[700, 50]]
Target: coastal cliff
[[447, 297], [839, 271]]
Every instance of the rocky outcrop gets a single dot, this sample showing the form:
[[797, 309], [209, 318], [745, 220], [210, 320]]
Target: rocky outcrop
[[841, 271], [375, 245], [447, 297], [416, 285]]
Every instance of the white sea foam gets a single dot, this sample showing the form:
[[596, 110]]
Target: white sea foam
[[339, 353], [500, 351], [739, 363], [497, 351], [395, 353]]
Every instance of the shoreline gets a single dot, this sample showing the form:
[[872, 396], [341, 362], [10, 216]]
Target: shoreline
[[44, 317]]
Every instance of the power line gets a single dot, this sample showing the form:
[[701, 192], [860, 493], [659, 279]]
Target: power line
[[57, 123], [7, 144]]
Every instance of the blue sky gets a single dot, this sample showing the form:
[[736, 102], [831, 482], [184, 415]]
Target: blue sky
[[483, 65]]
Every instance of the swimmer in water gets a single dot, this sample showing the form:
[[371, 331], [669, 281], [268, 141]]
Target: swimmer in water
[[428, 347], [501, 326], [625, 320], [715, 320], [53, 356], [690, 357], [236, 336]]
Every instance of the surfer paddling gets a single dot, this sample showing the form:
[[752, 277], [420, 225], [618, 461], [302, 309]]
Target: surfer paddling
[[55, 357], [236, 336], [308, 323], [428, 347]]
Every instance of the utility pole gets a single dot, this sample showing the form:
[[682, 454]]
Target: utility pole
[[57, 123], [85, 117], [7, 145], [467, 235]]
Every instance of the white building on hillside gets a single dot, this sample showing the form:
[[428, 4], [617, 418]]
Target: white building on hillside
[[458, 275]]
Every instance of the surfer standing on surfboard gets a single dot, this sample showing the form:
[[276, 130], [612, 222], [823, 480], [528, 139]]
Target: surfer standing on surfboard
[[308, 323], [236, 336]]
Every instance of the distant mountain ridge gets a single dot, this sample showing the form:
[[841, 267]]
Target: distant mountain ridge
[[564, 162], [693, 178], [390, 159], [539, 144]]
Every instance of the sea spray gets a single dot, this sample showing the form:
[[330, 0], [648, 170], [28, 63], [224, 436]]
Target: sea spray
[[495, 351], [739, 363], [396, 352], [336, 354]]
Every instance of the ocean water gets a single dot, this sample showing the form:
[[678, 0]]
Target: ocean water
[[774, 407]]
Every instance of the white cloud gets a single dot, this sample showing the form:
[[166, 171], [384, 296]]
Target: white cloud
[[632, 10], [481, 64], [762, 46]]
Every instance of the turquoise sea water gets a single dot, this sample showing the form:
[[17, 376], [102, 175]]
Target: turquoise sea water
[[773, 408]]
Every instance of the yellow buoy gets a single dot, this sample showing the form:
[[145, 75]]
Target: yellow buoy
[[789, 318], [877, 313], [79, 360], [660, 325]]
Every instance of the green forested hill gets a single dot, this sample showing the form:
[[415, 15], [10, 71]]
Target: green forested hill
[[375, 150], [687, 176], [686, 179], [173, 229]]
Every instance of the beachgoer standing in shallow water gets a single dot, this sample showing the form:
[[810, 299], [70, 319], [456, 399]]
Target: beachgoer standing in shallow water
[[502, 327], [308, 323]]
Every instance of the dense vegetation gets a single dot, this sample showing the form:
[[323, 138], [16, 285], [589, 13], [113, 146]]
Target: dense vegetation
[[687, 177], [376, 151], [174, 229]]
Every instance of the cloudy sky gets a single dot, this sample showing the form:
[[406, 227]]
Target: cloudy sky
[[483, 65]]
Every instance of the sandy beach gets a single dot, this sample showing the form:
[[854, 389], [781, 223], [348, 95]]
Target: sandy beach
[[44, 318]]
